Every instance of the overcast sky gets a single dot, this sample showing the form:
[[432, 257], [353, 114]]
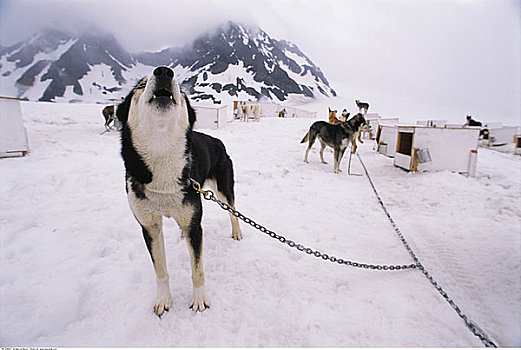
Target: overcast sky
[[416, 59]]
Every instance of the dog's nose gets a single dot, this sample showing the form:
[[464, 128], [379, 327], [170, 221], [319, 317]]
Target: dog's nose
[[164, 72]]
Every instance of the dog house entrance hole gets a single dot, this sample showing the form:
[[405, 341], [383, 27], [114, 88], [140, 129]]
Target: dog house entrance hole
[[405, 143]]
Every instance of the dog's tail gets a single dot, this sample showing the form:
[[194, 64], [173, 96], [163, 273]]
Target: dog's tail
[[306, 138]]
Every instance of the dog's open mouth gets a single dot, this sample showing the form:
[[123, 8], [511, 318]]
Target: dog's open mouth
[[162, 96]]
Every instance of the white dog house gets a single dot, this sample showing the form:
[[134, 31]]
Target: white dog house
[[498, 136], [386, 139], [388, 121], [13, 136], [420, 148], [432, 123], [210, 117], [373, 120], [294, 112]]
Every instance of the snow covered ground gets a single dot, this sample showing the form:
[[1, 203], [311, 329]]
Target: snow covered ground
[[74, 270]]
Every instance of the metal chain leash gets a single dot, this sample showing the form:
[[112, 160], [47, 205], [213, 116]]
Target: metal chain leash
[[209, 195], [472, 326]]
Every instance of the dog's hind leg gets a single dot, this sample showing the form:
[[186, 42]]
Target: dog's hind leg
[[224, 190], [359, 136], [311, 136], [339, 154], [153, 233], [353, 142], [306, 155], [236, 230], [336, 151]]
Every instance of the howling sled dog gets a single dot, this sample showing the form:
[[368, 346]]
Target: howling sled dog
[[161, 154], [335, 136]]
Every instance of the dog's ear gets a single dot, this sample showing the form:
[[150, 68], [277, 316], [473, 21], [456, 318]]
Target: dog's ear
[[347, 115], [191, 112], [123, 108], [329, 108]]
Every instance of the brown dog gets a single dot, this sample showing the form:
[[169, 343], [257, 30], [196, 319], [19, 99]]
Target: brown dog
[[333, 119], [108, 114]]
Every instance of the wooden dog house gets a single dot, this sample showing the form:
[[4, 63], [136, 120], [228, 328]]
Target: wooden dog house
[[13, 136], [420, 148], [517, 144]]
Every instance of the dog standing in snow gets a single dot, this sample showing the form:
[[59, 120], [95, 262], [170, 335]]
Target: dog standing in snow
[[162, 154], [337, 137], [363, 107], [108, 114]]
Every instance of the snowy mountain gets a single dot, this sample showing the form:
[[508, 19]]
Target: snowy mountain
[[233, 61]]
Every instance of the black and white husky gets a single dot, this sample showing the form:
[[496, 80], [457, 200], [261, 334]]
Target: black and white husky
[[335, 136], [161, 154]]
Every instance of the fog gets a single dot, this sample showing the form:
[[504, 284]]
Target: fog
[[429, 59]]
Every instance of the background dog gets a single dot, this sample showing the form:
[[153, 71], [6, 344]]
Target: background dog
[[483, 133], [334, 136], [161, 154], [363, 107], [108, 114], [344, 115], [332, 117]]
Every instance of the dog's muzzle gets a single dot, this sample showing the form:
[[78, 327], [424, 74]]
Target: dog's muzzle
[[163, 86]]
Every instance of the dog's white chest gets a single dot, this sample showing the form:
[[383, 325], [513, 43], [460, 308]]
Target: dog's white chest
[[159, 202], [165, 156]]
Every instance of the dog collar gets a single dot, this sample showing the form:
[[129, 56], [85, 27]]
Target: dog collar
[[153, 190]]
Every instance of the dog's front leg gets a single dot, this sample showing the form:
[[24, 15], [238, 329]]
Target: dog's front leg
[[353, 142], [359, 135], [195, 247], [153, 233], [341, 152], [336, 151], [322, 147]]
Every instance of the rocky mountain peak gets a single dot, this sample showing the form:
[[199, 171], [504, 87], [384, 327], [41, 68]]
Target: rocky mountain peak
[[233, 61]]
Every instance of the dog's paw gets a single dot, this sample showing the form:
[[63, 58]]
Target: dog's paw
[[324, 162], [237, 235], [199, 302], [163, 299], [162, 305]]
